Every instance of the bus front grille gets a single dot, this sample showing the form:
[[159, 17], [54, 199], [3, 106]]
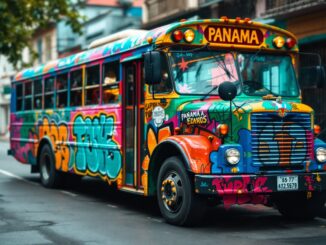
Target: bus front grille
[[281, 141]]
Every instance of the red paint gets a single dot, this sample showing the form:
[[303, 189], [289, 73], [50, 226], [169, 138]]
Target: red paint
[[228, 188], [309, 182]]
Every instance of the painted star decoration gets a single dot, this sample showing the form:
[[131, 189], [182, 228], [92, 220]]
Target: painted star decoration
[[183, 65]]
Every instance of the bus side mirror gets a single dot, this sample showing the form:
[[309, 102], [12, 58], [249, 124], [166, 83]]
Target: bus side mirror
[[152, 62], [312, 76]]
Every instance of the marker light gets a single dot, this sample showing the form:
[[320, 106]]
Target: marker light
[[290, 43], [316, 129], [232, 156], [278, 42], [189, 35], [177, 36], [223, 129], [321, 154], [150, 40]]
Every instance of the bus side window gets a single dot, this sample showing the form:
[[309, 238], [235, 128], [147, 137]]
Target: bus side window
[[62, 90], [49, 93], [110, 86], [76, 88], [38, 94], [92, 92], [19, 97], [28, 95]]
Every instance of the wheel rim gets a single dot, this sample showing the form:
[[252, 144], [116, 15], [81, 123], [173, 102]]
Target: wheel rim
[[172, 192], [45, 167]]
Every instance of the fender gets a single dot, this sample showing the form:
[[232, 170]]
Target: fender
[[195, 150]]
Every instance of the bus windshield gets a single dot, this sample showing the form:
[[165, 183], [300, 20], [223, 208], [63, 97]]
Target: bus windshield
[[264, 74], [201, 71]]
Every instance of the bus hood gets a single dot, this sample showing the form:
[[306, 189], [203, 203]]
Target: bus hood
[[210, 113]]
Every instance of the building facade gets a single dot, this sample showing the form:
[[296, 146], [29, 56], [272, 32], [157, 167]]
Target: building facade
[[6, 75], [103, 17]]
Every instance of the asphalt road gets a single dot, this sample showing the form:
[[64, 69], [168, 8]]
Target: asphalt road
[[94, 214]]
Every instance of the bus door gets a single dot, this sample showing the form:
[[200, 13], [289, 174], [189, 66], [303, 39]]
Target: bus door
[[133, 123]]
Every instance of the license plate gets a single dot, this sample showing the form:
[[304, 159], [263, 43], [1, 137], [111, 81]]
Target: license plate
[[287, 183]]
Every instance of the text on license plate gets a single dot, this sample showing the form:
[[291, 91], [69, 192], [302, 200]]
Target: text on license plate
[[287, 183]]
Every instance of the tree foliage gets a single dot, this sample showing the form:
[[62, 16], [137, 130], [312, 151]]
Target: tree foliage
[[20, 18]]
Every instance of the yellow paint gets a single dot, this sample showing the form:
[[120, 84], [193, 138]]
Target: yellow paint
[[318, 178], [309, 195]]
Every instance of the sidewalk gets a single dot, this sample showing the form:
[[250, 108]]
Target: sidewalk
[[4, 138]]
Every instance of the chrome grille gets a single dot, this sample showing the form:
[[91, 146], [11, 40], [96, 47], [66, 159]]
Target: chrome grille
[[279, 140]]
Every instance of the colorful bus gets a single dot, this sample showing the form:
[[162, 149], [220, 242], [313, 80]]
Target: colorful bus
[[194, 113]]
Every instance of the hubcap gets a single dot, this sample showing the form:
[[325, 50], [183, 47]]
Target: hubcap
[[172, 192], [45, 167]]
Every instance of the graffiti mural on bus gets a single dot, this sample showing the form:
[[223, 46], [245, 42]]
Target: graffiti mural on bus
[[96, 150], [58, 134]]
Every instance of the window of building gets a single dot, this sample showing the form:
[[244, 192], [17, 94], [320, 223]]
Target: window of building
[[38, 94], [92, 92], [48, 48], [76, 88], [40, 50], [28, 96], [111, 79], [62, 90], [19, 97], [49, 100]]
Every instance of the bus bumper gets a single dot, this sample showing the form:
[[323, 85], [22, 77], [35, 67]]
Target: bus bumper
[[223, 185]]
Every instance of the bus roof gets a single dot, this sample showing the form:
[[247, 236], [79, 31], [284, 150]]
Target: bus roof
[[205, 33]]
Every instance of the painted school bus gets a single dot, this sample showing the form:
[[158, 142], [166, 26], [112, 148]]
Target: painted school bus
[[194, 111]]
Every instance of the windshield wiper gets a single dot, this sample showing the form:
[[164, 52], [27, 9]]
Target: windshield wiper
[[209, 92], [224, 67]]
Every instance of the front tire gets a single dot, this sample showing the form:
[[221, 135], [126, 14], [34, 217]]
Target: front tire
[[178, 203], [50, 177], [297, 205]]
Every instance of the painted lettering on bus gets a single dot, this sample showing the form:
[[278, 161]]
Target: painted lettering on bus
[[58, 134], [231, 35], [96, 150]]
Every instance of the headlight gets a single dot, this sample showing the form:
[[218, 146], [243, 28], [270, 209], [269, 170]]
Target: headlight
[[232, 156], [321, 154]]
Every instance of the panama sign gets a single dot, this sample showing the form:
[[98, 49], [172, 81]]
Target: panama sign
[[233, 35]]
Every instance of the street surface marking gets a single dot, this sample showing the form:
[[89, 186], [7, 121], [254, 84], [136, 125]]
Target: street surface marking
[[111, 206], [4, 172], [69, 193], [154, 219]]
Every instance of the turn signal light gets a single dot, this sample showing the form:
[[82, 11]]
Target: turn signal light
[[278, 42], [223, 129], [177, 36], [189, 35], [290, 43], [316, 129]]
